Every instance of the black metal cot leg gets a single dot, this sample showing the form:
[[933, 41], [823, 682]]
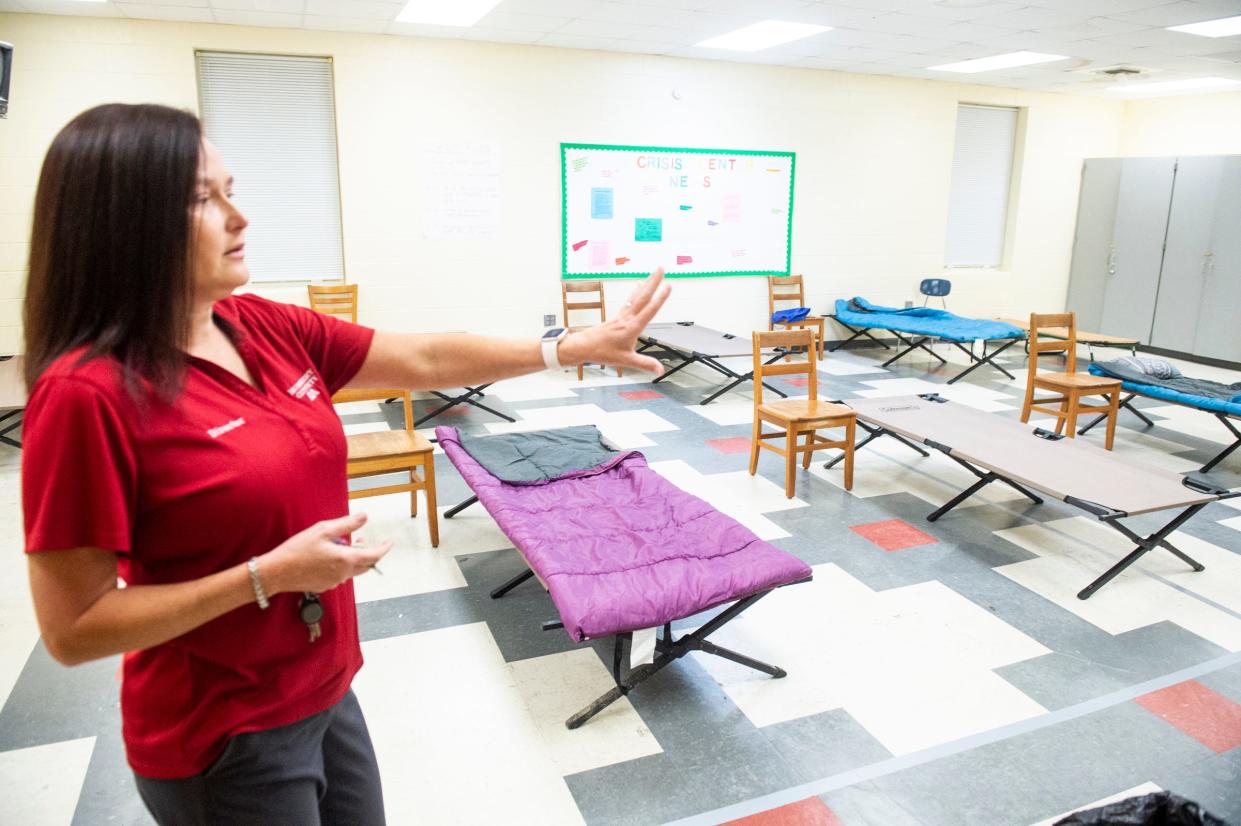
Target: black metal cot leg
[[982, 482], [865, 331], [988, 358], [669, 651], [1226, 452], [872, 434], [460, 506], [667, 373], [1145, 544], [707, 647], [496, 593], [1125, 404]]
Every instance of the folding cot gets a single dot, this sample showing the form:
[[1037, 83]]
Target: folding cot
[[923, 324], [1077, 473], [1200, 394], [694, 344], [618, 547]]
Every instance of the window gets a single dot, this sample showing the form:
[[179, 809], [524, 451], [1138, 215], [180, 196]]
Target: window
[[982, 171], [273, 119]]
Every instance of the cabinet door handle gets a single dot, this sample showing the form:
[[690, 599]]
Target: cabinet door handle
[[1208, 263], [1111, 260]]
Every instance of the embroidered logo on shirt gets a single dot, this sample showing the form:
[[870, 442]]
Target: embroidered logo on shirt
[[305, 386], [217, 432]]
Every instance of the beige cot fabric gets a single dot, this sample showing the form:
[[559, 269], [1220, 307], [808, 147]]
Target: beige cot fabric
[[1060, 468]]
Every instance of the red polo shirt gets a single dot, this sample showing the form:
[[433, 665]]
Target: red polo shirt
[[183, 490]]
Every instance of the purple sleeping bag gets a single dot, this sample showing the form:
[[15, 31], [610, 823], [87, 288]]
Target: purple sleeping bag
[[620, 548]]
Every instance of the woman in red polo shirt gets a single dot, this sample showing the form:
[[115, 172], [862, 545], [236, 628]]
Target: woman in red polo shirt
[[183, 439]]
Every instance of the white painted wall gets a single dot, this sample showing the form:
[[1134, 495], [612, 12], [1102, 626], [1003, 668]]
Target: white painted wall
[[1189, 125], [874, 158]]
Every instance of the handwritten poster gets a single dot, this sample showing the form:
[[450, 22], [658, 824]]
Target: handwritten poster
[[460, 184], [695, 212]]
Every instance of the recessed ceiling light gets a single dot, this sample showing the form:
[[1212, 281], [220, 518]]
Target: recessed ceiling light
[[1193, 84], [442, 13], [999, 61], [1223, 27], [763, 35]]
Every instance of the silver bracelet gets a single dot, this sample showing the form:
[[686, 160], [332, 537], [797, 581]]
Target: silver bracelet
[[259, 594]]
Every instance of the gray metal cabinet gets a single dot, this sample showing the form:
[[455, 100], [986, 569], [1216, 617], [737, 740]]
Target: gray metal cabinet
[[1219, 320], [1143, 200], [1157, 255]]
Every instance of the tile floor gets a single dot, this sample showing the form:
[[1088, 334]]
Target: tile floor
[[939, 673]]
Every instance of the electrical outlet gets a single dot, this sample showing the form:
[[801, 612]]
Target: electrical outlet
[[549, 319]]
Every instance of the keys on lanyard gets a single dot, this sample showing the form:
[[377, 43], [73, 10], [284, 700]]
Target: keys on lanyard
[[311, 612]]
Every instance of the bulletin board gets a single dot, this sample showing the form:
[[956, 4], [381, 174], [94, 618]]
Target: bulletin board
[[626, 210]]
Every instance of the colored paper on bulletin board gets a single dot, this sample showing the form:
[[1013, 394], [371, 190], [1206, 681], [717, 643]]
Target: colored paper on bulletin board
[[694, 212], [601, 202], [648, 229]]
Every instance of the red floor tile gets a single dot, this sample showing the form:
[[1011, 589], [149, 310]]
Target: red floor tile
[[798, 382], [1210, 718], [641, 395], [735, 444], [893, 534], [808, 812]]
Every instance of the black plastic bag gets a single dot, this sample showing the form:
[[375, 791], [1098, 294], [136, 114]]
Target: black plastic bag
[[1158, 809]]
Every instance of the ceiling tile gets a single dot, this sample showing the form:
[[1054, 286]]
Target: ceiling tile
[[1178, 14], [602, 28], [1094, 27], [965, 12], [1033, 17], [898, 23], [280, 6], [233, 17], [967, 32], [499, 35], [523, 22], [371, 9], [317, 22], [184, 14], [564, 41], [555, 8]]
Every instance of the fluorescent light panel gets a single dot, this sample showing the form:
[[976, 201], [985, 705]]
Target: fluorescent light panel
[[1193, 84], [1223, 27], [999, 61], [762, 35], [446, 12]]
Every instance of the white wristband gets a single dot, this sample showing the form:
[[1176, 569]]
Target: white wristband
[[550, 344]]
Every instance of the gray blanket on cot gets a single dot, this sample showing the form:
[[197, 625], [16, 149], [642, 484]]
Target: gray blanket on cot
[[530, 458], [1195, 387]]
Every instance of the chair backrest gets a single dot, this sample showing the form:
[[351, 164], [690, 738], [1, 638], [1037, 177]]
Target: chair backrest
[[935, 287], [581, 301], [335, 299], [383, 394], [765, 340], [791, 288], [1067, 345]]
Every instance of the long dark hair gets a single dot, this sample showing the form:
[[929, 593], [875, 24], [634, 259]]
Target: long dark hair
[[110, 245]]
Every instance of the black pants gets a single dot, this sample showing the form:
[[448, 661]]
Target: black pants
[[320, 770]]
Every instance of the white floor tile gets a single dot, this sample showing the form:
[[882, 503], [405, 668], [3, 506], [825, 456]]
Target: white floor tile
[[625, 429], [915, 667], [726, 410], [558, 685], [1072, 552], [454, 738], [742, 496], [1233, 522], [40, 786]]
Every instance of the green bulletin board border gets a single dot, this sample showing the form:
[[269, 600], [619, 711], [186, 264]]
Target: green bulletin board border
[[564, 211]]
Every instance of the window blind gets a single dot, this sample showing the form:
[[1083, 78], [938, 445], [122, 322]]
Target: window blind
[[273, 120], [982, 169]]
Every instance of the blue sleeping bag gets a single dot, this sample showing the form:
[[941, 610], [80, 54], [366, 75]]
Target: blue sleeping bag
[[1222, 398], [923, 321]]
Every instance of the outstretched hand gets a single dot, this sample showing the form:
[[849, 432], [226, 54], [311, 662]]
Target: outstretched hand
[[613, 342]]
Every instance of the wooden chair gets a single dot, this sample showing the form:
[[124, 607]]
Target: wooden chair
[[567, 287], [392, 451], [797, 417], [1070, 385], [335, 299], [794, 289]]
